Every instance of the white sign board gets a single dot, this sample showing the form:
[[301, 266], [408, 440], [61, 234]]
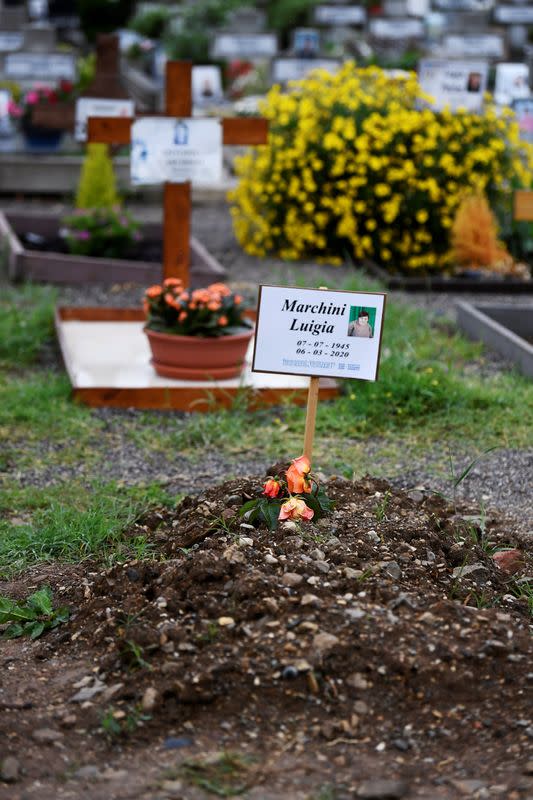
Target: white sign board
[[509, 15], [512, 82], [463, 5], [487, 45], [206, 85], [457, 84], [295, 69], [397, 28], [41, 66], [244, 45], [340, 15], [318, 332], [5, 120], [523, 109], [10, 40], [99, 107], [176, 150]]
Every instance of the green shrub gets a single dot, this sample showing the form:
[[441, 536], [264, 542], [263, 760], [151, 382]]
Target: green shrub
[[354, 167], [101, 232], [152, 23], [97, 187]]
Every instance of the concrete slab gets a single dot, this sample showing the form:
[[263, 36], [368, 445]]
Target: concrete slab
[[108, 363], [506, 329]]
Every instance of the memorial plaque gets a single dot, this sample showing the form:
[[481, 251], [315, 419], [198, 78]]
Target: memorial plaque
[[340, 15], [489, 45], [523, 109], [6, 128], [514, 15], [512, 82], [10, 41], [176, 150], [457, 84], [319, 333], [99, 107], [418, 8], [295, 69], [206, 85], [463, 5], [244, 45], [42, 66], [394, 29]]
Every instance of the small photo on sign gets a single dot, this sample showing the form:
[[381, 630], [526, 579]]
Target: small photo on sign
[[306, 43], [362, 322], [206, 85], [318, 332]]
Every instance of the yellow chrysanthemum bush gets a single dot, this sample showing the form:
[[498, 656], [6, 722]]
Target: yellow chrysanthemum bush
[[354, 166]]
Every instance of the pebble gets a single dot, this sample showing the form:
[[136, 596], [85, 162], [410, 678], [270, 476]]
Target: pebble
[[46, 735], [270, 559], [292, 579], [9, 770], [324, 642], [393, 569], [382, 789], [245, 541], [173, 788], [88, 773], [357, 681], [177, 742], [352, 574], [289, 525], [415, 496], [226, 622], [322, 566], [290, 673], [311, 600], [373, 536], [401, 744], [468, 569], [149, 699], [317, 555], [467, 787], [528, 768]]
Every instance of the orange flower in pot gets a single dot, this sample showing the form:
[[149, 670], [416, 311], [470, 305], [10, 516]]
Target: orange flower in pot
[[199, 334]]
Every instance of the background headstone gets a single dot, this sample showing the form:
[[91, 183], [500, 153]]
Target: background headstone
[[244, 45], [512, 83], [486, 45], [39, 38], [454, 83], [291, 69]]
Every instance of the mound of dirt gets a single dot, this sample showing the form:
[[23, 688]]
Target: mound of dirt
[[384, 643]]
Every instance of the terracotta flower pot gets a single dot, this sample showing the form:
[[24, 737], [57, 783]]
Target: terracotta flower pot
[[198, 358]]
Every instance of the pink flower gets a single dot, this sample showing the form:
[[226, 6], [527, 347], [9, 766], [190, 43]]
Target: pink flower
[[84, 235], [13, 109], [295, 508], [32, 98]]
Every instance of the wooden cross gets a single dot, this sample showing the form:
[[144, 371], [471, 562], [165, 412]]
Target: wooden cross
[[177, 196]]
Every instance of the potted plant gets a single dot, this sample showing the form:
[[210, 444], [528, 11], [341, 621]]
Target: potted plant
[[37, 137], [196, 335]]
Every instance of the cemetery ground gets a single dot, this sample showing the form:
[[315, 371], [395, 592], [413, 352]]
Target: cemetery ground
[[381, 653]]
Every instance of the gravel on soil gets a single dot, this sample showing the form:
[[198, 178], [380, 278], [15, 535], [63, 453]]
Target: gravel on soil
[[377, 654]]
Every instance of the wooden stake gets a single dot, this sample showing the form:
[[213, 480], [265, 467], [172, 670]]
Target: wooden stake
[[310, 418]]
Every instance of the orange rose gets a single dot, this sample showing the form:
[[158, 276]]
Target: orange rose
[[271, 488], [222, 321], [237, 299], [213, 305], [154, 291], [182, 316], [295, 508], [297, 479]]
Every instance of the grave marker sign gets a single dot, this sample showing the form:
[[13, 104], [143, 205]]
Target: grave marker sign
[[320, 333], [177, 196]]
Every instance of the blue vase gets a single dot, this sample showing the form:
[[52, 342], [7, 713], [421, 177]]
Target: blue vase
[[41, 140]]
